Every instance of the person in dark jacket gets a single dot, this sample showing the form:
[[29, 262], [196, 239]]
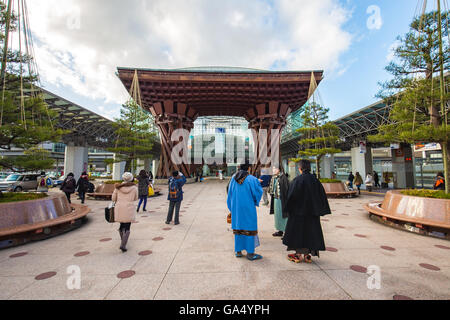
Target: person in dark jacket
[[439, 184], [350, 179], [306, 203], [69, 186], [279, 187], [265, 183], [376, 179], [83, 186], [150, 176], [176, 183], [144, 183]]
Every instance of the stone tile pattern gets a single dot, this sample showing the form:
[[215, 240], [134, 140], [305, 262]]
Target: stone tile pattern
[[195, 260]]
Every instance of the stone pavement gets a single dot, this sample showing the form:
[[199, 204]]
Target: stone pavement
[[195, 260]]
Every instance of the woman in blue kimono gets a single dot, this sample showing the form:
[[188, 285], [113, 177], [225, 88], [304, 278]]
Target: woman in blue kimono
[[244, 195]]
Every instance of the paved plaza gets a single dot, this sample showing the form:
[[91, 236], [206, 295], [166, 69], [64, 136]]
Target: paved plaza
[[195, 260]]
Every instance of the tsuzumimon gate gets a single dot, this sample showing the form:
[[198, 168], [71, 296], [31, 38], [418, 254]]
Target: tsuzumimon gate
[[176, 98]]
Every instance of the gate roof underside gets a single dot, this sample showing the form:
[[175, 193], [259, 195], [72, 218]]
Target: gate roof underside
[[221, 91]]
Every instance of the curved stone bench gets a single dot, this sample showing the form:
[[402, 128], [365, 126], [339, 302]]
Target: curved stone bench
[[338, 190], [416, 210], [24, 221]]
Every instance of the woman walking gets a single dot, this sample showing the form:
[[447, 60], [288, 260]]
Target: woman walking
[[306, 203], [124, 196], [83, 186], [358, 182], [144, 183], [69, 186]]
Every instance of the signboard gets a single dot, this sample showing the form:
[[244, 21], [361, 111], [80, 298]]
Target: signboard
[[395, 146], [362, 147], [420, 147]]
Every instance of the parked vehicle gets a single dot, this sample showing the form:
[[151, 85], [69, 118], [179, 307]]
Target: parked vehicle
[[58, 182], [20, 182], [4, 175]]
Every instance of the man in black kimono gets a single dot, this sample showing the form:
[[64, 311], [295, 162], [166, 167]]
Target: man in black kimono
[[306, 203]]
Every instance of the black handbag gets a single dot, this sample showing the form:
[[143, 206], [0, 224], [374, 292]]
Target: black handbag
[[109, 214]]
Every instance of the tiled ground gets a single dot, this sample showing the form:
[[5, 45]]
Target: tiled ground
[[195, 260]]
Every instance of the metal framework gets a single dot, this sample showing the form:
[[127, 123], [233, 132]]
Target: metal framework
[[353, 127], [87, 127]]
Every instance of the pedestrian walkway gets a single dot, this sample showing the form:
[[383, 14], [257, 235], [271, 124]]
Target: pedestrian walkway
[[195, 260]]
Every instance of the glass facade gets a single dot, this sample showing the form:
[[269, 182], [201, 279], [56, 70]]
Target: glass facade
[[220, 143]]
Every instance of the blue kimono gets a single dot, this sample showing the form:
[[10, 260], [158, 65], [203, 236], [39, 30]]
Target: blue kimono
[[244, 195]]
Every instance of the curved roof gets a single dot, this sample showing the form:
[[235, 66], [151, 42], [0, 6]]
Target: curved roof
[[219, 69], [221, 91]]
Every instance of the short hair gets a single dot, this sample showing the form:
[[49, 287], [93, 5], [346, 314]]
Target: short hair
[[175, 174], [84, 173], [127, 177], [143, 173], [305, 165], [245, 166], [440, 174], [42, 173]]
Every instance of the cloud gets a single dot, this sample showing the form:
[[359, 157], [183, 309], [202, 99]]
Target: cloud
[[80, 43]]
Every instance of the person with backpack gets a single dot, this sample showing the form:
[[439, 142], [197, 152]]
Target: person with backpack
[[144, 183], [83, 186], [69, 186], [350, 180], [44, 183], [358, 182], [176, 183]]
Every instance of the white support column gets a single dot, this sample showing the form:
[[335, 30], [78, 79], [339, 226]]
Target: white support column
[[143, 164], [327, 166], [362, 162], [155, 167], [76, 160], [118, 170]]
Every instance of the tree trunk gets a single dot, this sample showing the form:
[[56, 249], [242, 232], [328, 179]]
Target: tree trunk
[[128, 166], [446, 158], [318, 167]]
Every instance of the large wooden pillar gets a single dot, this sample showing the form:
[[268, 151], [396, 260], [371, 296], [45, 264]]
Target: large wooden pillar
[[170, 116], [269, 116]]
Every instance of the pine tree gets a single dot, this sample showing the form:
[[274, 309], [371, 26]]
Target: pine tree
[[318, 135], [135, 139], [415, 90], [25, 121]]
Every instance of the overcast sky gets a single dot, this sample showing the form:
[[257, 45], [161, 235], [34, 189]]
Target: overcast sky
[[80, 43]]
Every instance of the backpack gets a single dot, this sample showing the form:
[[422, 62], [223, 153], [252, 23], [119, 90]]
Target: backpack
[[173, 189], [49, 182], [42, 183], [71, 184]]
